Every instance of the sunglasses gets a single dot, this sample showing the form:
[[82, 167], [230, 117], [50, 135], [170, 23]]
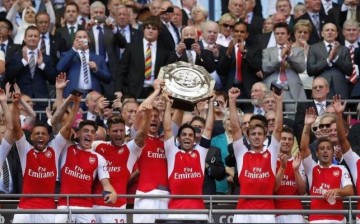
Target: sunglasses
[[314, 129], [322, 126], [227, 26]]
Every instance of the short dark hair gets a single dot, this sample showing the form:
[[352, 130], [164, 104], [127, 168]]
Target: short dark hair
[[8, 23], [261, 118], [257, 126], [153, 21], [43, 125], [114, 120], [41, 14], [242, 23], [282, 25], [87, 122], [31, 28], [198, 118], [186, 125], [287, 129], [73, 4], [321, 140]]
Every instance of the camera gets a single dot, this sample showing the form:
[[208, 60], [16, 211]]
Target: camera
[[99, 20], [216, 103]]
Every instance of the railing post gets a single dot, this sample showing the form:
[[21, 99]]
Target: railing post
[[210, 209], [350, 210]]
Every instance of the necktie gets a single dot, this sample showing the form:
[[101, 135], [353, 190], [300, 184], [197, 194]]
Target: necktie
[[282, 69], [3, 48], [85, 67], [72, 33], [352, 12], [148, 62], [238, 65], [353, 77], [101, 41], [83, 21], [6, 179], [190, 57], [32, 64], [42, 44], [258, 110], [316, 22], [122, 32], [322, 108], [329, 47]]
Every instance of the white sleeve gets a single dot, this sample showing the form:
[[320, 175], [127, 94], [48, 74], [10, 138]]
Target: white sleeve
[[174, 128], [351, 159], [101, 169], [2, 56], [58, 143], [309, 165], [345, 178], [5, 148], [274, 149], [170, 152], [302, 172], [239, 151], [23, 147]]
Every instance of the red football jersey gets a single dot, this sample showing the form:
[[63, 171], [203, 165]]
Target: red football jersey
[[288, 187], [186, 174], [256, 174], [119, 163], [352, 159], [152, 158], [325, 178], [78, 172], [39, 171]]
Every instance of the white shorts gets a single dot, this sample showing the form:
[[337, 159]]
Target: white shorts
[[34, 218], [238, 218], [188, 216], [78, 218], [110, 218], [329, 221], [150, 203], [289, 219]]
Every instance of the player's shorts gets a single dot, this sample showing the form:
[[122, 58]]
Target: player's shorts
[[34, 218], [329, 221], [75, 218], [150, 203], [188, 216], [254, 218], [110, 218], [290, 219]]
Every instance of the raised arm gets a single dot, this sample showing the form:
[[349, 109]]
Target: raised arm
[[66, 129], [60, 85], [281, 171], [234, 93], [279, 117], [310, 117], [341, 132], [299, 181], [209, 118], [59, 113], [146, 110], [9, 135], [18, 132], [167, 117]]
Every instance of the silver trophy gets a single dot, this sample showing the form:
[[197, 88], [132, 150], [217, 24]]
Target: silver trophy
[[187, 84]]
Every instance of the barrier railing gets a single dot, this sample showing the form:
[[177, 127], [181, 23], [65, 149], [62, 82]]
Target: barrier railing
[[212, 202]]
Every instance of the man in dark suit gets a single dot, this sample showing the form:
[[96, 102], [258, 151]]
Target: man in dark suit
[[255, 22], [327, 5], [320, 91], [67, 33], [242, 75], [104, 40], [30, 68], [330, 60], [169, 35], [187, 6], [284, 6], [84, 69], [136, 76], [316, 18], [191, 51]]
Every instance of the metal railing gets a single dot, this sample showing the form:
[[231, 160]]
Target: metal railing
[[212, 202]]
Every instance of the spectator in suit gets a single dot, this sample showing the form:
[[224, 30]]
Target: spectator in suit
[[299, 10], [226, 24], [169, 35], [327, 6], [258, 91], [237, 9], [191, 52], [67, 32], [177, 17], [282, 64], [317, 19], [84, 69], [351, 33], [320, 91], [30, 68], [155, 7], [330, 60], [136, 75], [84, 11], [241, 65], [200, 15], [284, 6], [92, 112], [187, 6], [268, 25], [112, 6]]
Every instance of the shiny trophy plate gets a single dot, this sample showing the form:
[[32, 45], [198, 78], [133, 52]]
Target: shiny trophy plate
[[187, 84]]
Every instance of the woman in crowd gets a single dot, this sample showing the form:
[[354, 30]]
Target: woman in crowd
[[226, 23]]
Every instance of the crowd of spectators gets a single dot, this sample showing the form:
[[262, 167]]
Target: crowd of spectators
[[109, 53]]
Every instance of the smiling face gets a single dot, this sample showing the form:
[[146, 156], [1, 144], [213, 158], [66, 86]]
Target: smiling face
[[325, 153], [86, 136], [287, 142], [40, 137], [29, 15], [187, 139], [154, 123], [257, 138]]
